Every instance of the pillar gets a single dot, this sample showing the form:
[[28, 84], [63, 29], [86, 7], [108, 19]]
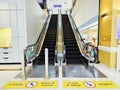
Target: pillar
[[109, 12]]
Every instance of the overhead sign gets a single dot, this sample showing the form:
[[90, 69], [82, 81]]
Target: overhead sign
[[89, 84], [57, 5], [31, 84]]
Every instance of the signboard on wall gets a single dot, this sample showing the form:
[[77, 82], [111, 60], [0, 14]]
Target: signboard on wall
[[54, 5], [57, 5], [118, 28]]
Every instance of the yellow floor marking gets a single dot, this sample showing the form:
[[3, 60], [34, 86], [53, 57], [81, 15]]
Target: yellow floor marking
[[31, 84], [89, 84], [66, 84]]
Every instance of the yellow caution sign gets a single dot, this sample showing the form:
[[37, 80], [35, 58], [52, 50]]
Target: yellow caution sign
[[89, 84], [31, 84], [49, 84], [73, 84]]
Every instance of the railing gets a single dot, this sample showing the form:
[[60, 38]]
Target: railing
[[32, 51], [79, 39], [60, 47]]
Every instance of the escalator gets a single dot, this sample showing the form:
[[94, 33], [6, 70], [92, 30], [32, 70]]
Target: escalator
[[49, 42], [77, 65], [73, 55]]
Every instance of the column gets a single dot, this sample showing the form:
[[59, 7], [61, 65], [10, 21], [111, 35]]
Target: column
[[109, 12]]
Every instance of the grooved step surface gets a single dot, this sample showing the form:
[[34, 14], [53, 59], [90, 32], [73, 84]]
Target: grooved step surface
[[49, 42], [73, 55]]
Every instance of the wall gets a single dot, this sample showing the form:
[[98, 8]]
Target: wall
[[107, 34], [35, 19], [25, 19], [65, 5], [90, 34], [77, 6], [87, 10], [9, 18], [5, 37]]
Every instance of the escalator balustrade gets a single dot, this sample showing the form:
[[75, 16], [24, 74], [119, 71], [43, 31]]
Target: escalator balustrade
[[49, 42], [73, 54]]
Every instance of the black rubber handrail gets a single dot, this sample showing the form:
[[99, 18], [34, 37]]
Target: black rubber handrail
[[76, 29], [40, 34]]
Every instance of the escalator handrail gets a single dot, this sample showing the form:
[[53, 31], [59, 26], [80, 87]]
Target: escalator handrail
[[60, 47], [40, 34], [59, 28], [27, 59], [62, 31], [81, 39], [77, 29]]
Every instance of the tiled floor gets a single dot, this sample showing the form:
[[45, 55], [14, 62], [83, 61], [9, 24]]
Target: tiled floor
[[111, 74]]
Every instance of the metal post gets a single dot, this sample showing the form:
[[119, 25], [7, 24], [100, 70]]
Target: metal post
[[60, 69], [23, 76], [46, 64]]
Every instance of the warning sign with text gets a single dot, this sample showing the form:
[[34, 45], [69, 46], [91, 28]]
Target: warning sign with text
[[89, 84], [31, 84]]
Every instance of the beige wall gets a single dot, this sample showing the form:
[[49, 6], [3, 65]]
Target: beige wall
[[107, 35], [91, 33]]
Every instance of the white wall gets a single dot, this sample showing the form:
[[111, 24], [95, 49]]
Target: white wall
[[65, 5], [9, 18], [4, 15], [87, 11], [26, 20], [77, 7], [35, 18]]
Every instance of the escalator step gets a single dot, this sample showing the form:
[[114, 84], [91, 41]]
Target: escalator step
[[49, 42], [73, 55]]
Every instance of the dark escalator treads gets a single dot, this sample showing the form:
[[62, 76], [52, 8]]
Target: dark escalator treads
[[73, 54], [49, 42]]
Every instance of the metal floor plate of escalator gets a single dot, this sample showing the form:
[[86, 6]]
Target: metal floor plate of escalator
[[39, 72], [82, 71], [69, 71]]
